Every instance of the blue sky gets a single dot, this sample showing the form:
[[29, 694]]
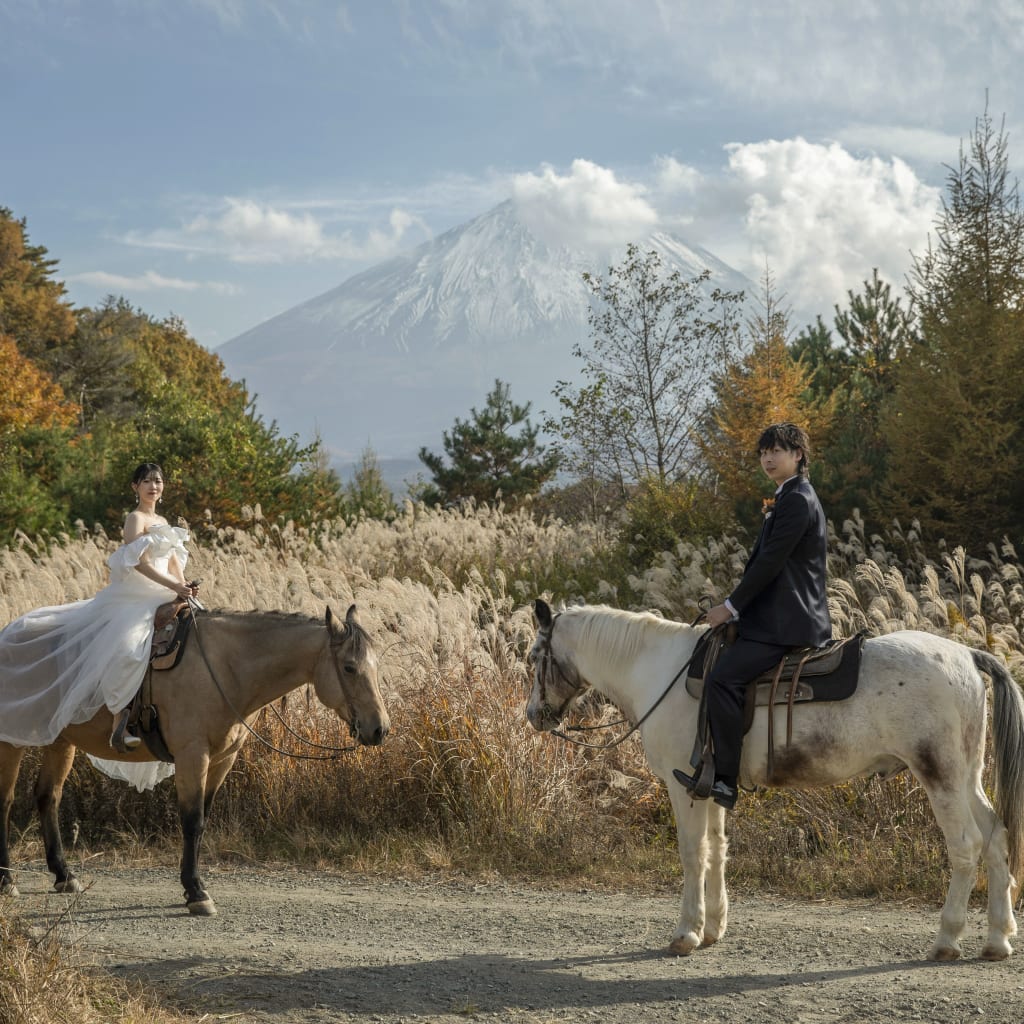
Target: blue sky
[[224, 160]]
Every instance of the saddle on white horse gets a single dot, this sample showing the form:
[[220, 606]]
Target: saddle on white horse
[[805, 674]]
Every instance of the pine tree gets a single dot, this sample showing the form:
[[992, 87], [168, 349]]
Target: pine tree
[[857, 370], [956, 425], [487, 460], [366, 493]]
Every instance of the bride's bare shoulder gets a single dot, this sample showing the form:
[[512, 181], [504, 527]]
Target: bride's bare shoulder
[[137, 523]]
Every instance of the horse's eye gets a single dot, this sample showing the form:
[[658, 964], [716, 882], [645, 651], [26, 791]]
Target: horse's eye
[[349, 669]]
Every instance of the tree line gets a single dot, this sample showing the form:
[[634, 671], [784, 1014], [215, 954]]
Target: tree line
[[915, 401], [86, 394]]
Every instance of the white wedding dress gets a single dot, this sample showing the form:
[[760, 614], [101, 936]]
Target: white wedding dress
[[60, 665]]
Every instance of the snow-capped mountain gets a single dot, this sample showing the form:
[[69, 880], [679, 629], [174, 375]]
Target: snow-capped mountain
[[393, 355]]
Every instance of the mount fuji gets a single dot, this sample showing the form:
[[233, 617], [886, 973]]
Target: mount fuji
[[393, 355]]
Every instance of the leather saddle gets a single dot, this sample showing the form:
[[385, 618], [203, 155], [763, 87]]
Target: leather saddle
[[809, 673], [806, 674], [172, 625]]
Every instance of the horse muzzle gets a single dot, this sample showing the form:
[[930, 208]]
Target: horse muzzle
[[370, 737], [542, 717]]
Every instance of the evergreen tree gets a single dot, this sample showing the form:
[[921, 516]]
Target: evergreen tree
[[857, 371], [487, 459], [955, 428], [366, 493], [656, 342]]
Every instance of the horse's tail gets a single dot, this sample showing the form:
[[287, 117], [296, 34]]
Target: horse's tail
[[1008, 737]]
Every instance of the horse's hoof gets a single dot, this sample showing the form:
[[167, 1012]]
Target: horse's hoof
[[682, 945], [944, 954], [708, 940], [9, 890], [993, 952], [202, 908], [71, 884]]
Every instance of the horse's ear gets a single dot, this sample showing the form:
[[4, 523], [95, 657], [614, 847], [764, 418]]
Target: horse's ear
[[542, 610], [352, 615], [333, 626]]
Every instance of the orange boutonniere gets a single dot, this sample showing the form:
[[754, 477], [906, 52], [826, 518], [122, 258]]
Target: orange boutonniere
[[767, 504]]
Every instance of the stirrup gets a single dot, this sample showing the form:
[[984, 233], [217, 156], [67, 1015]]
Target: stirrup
[[120, 739]]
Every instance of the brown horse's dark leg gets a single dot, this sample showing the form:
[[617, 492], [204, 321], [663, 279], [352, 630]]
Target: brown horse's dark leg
[[56, 765], [10, 764], [192, 827], [194, 815]]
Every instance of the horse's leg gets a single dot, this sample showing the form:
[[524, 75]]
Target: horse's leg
[[10, 764], [1001, 923], [717, 896], [195, 812], [190, 782], [54, 769], [692, 834], [952, 805]]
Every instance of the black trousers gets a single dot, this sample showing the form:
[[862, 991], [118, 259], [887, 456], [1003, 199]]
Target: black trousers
[[739, 665]]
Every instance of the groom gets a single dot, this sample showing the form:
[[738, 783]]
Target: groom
[[780, 602]]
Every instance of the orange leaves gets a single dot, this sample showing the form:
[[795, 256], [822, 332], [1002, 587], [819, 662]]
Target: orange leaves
[[28, 396]]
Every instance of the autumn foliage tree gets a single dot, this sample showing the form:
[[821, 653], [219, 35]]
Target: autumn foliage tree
[[767, 385], [87, 394], [28, 396]]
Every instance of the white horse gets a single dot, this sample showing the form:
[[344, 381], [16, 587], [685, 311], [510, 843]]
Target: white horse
[[920, 703]]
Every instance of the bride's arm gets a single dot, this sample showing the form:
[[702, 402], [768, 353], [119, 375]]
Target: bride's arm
[[180, 587]]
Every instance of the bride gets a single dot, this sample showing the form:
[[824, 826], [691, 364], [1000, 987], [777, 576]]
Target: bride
[[60, 665]]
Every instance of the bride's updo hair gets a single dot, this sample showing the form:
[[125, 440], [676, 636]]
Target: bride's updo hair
[[144, 470]]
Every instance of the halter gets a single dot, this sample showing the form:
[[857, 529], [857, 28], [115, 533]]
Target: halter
[[548, 661]]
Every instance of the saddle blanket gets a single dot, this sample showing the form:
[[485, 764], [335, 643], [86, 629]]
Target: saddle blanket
[[824, 673]]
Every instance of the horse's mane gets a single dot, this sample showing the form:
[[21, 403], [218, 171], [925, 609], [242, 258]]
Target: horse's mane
[[620, 635], [357, 636]]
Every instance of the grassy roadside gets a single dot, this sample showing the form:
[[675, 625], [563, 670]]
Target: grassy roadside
[[464, 786]]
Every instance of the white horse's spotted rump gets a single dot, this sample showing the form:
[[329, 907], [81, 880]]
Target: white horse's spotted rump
[[921, 704]]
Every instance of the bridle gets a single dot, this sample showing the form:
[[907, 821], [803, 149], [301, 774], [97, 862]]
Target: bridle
[[335, 752], [546, 662]]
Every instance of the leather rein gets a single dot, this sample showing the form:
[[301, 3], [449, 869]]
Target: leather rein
[[336, 752], [548, 663]]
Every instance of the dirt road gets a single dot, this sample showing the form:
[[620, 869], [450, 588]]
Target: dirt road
[[291, 946]]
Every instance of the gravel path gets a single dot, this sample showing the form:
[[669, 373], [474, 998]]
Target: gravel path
[[294, 946]]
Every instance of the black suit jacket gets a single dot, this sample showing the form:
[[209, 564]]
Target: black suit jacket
[[781, 598]]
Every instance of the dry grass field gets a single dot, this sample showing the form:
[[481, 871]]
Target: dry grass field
[[463, 784]]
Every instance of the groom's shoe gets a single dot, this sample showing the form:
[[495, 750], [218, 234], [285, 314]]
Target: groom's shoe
[[721, 792]]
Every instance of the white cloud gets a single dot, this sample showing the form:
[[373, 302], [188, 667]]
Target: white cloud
[[587, 207], [148, 282], [248, 231], [823, 218], [676, 177], [258, 233]]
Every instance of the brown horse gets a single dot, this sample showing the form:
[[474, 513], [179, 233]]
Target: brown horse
[[234, 665]]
